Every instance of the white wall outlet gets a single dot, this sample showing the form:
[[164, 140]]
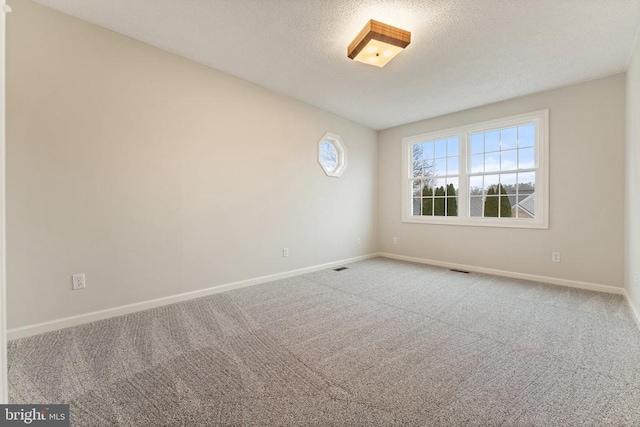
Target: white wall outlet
[[285, 252], [78, 281], [555, 256], [395, 240], [359, 241]]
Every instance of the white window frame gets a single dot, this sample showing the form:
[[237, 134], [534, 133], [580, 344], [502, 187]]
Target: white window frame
[[463, 133], [341, 150]]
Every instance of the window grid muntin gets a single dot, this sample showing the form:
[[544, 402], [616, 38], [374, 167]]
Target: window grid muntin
[[499, 172], [517, 195], [449, 143]]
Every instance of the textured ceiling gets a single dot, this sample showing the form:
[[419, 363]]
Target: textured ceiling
[[463, 54]]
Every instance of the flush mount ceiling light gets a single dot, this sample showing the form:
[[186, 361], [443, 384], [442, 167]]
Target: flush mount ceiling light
[[378, 43]]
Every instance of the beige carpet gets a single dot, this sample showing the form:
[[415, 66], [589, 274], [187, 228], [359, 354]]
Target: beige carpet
[[381, 343]]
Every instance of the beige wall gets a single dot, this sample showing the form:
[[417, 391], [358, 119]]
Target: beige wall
[[633, 181], [155, 176], [587, 123]]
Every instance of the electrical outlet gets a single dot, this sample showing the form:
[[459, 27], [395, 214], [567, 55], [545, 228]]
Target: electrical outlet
[[395, 240], [78, 281], [285, 252], [555, 256], [359, 241]]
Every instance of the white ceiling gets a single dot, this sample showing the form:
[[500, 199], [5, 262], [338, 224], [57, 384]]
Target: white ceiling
[[464, 53]]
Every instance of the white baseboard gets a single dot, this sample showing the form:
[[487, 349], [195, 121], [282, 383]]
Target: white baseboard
[[511, 274], [634, 311], [66, 322]]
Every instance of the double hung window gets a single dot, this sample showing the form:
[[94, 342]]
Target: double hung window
[[487, 174]]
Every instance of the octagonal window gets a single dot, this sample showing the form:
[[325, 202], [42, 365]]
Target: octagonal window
[[332, 155]]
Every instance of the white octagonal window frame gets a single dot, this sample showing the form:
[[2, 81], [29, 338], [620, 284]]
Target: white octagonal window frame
[[332, 155]]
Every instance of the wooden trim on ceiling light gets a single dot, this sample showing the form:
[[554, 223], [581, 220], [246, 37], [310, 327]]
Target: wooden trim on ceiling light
[[381, 32]]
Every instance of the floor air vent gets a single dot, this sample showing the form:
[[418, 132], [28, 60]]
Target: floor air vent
[[459, 271], [340, 268]]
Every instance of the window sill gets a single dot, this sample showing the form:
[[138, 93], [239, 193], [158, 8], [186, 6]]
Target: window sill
[[480, 222]]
